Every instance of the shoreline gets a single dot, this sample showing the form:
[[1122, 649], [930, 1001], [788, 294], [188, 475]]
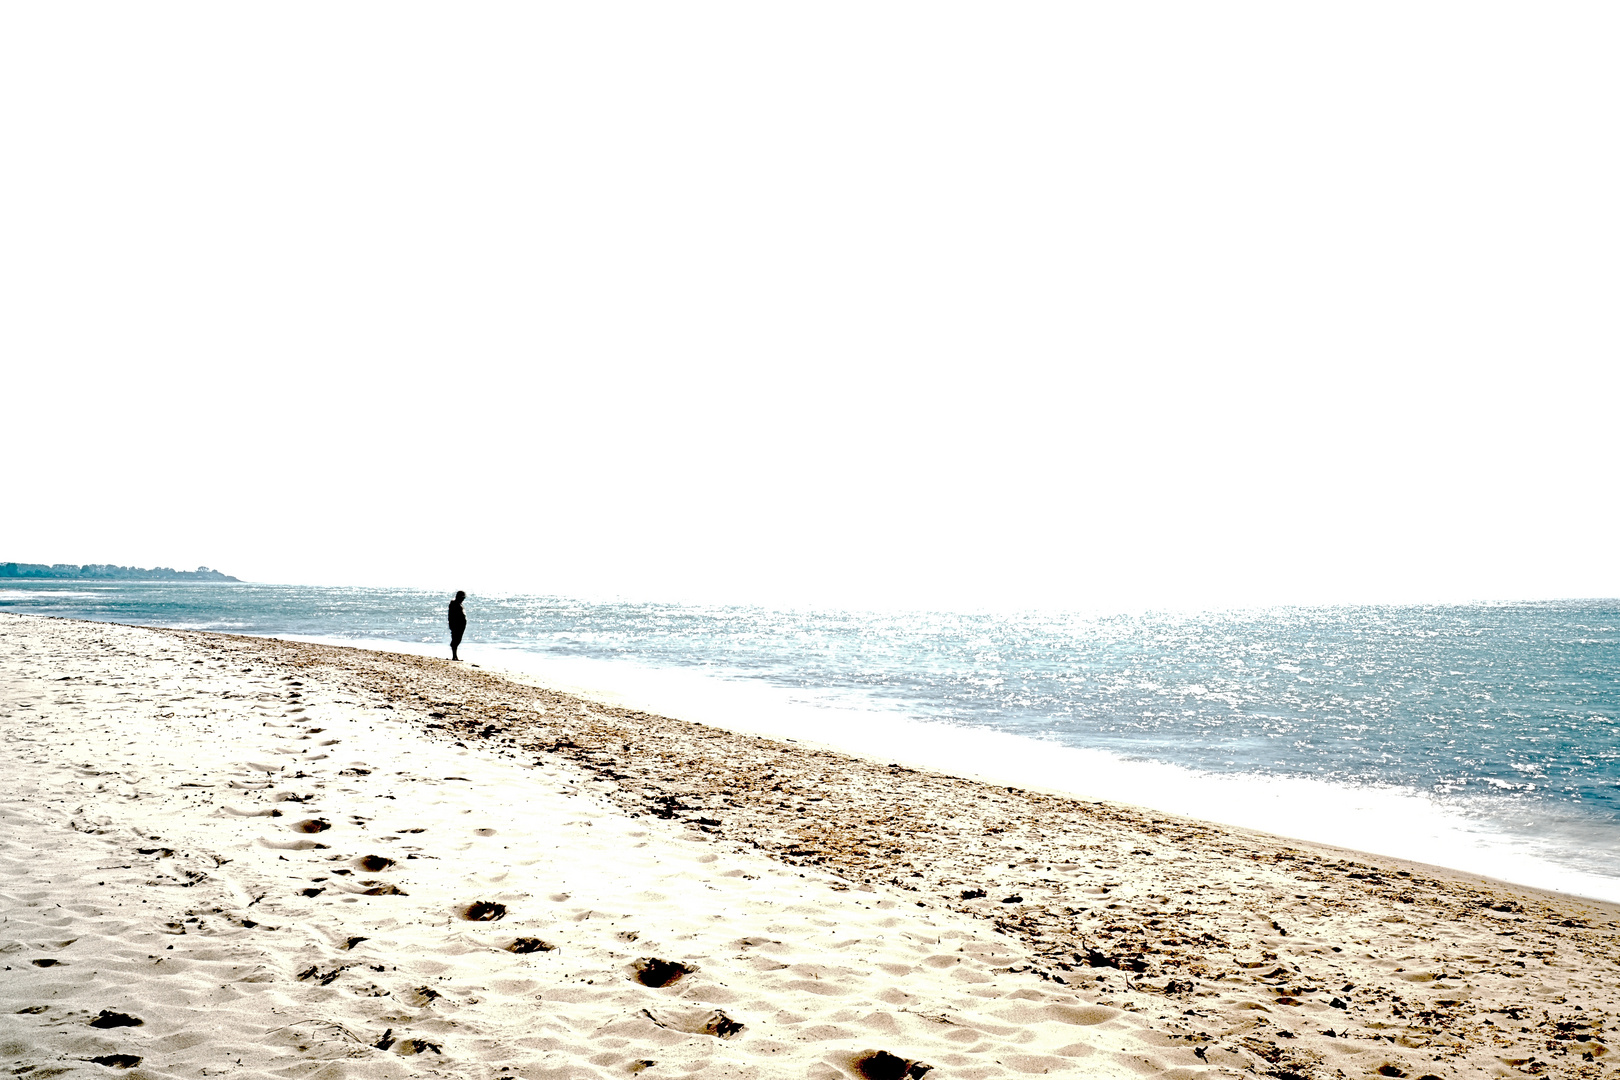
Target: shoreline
[[1219, 948], [1532, 828], [1323, 814], [629, 704]]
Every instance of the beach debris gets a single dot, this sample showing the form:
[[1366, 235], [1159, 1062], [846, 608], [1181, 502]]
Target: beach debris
[[530, 945], [109, 1019], [972, 894], [45, 962], [1096, 959], [418, 1046], [322, 978], [651, 971], [483, 911], [386, 1040], [1013, 899], [667, 806], [641, 1065], [882, 1065]]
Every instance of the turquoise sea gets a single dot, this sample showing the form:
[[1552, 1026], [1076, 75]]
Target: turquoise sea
[[1485, 737]]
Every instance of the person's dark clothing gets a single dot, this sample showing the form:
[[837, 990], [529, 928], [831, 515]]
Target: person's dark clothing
[[458, 624]]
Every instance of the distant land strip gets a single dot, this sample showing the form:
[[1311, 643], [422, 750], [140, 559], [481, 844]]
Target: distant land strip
[[108, 572]]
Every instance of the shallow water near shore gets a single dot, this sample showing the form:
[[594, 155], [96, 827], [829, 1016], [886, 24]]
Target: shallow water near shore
[[1483, 737]]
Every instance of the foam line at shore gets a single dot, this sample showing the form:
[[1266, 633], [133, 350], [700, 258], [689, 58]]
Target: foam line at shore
[[1394, 822]]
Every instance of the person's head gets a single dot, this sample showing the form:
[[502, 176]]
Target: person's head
[[460, 595]]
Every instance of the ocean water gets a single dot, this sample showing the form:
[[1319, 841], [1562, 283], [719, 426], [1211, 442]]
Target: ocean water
[[1483, 737]]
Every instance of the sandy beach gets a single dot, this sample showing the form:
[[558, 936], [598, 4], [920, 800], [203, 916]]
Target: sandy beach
[[227, 855]]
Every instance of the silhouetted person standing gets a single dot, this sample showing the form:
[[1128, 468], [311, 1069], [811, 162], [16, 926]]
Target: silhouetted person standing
[[458, 624]]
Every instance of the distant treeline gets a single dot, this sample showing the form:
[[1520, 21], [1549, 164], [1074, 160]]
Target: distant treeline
[[107, 571]]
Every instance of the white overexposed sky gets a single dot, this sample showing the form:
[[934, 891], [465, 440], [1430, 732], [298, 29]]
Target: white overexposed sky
[[927, 304]]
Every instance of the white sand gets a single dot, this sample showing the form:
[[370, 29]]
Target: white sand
[[152, 866]]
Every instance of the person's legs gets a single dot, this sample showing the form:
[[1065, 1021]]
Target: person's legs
[[455, 643]]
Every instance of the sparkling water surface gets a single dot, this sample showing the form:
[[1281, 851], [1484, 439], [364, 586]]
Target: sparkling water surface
[[1508, 714]]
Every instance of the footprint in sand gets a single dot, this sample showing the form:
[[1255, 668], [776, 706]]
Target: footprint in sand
[[311, 825], [882, 1065], [697, 1022], [292, 845], [109, 1019], [374, 863], [651, 971], [530, 945], [483, 911]]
